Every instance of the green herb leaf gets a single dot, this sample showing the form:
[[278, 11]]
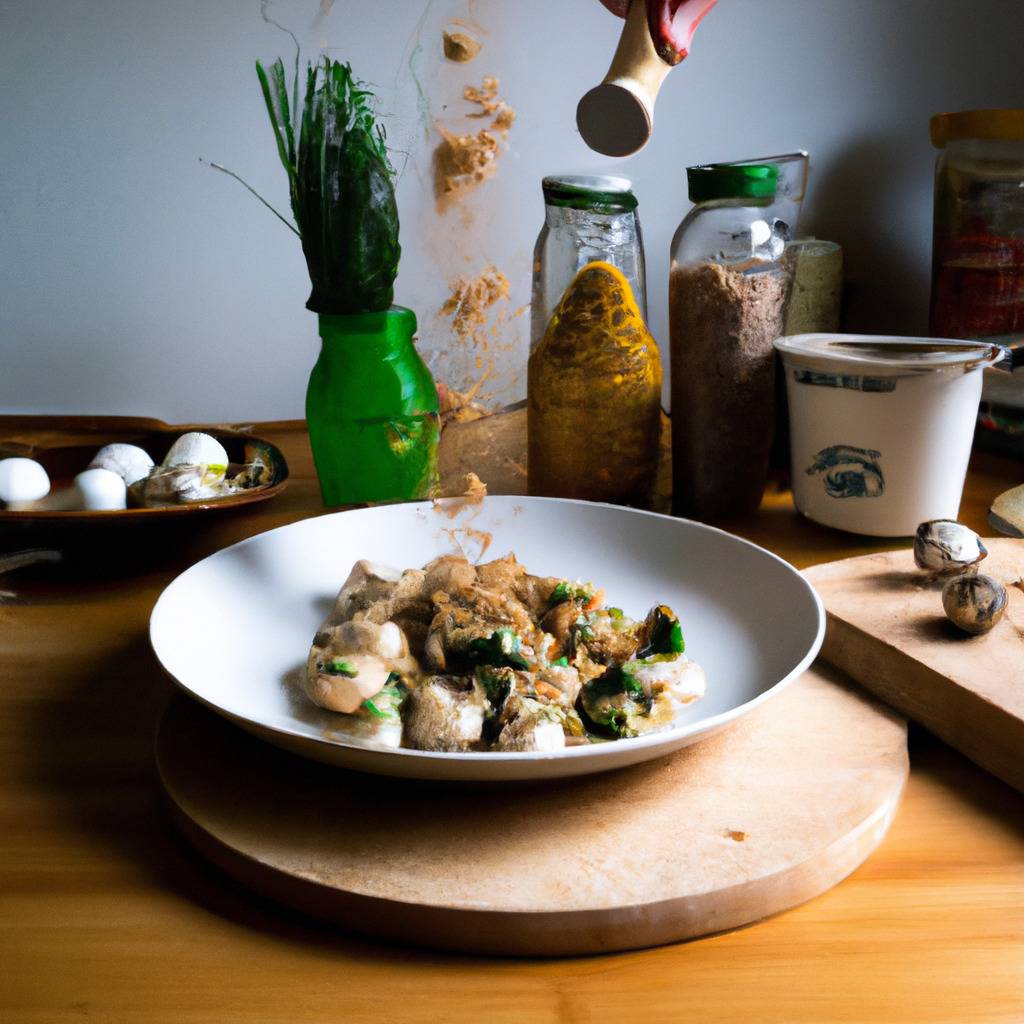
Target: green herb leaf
[[500, 649], [340, 667], [275, 95], [663, 632], [374, 710], [562, 662]]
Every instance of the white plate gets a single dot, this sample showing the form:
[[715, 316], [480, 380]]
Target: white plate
[[235, 629]]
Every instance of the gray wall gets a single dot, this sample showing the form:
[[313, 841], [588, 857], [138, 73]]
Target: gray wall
[[134, 279]]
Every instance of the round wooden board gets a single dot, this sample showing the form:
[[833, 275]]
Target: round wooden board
[[755, 820]]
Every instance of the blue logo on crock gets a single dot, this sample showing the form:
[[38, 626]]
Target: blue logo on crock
[[849, 472]]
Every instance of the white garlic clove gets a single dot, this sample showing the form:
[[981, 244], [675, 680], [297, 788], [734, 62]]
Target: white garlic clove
[[974, 603], [945, 547], [100, 490], [22, 481], [198, 449], [128, 461]]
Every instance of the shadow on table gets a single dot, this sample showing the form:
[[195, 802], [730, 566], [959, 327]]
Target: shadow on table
[[94, 755], [91, 751]]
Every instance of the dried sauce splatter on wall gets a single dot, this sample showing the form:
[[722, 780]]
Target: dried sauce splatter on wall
[[470, 303], [470, 308], [462, 162], [459, 47]]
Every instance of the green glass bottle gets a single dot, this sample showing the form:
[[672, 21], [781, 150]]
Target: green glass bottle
[[371, 409]]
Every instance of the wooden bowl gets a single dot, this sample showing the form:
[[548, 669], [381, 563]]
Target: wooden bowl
[[69, 450]]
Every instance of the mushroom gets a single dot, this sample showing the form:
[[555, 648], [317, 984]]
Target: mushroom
[[22, 481], [198, 449], [130, 462], [25, 485], [193, 470], [944, 547], [98, 490], [342, 684], [974, 603]]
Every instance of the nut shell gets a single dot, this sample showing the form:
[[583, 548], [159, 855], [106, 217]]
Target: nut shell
[[974, 603], [944, 547]]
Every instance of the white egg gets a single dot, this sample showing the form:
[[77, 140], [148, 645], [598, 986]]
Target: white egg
[[101, 490], [197, 449], [130, 462], [22, 481]]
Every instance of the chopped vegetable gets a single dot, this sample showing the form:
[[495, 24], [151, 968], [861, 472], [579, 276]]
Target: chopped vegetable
[[496, 681], [340, 667], [565, 591], [612, 703], [374, 710], [661, 633], [386, 704], [562, 662], [501, 648], [582, 629]]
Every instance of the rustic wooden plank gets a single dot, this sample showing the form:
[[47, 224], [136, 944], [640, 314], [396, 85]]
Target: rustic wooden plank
[[887, 630]]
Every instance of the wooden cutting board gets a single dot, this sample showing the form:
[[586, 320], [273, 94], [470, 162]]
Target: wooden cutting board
[[887, 630], [755, 820]]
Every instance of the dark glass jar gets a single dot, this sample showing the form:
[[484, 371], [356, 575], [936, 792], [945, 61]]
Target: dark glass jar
[[978, 239]]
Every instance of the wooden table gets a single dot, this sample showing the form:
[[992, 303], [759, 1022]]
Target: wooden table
[[105, 914]]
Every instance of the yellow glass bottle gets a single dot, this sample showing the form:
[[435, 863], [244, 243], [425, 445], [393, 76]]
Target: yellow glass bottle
[[594, 395]]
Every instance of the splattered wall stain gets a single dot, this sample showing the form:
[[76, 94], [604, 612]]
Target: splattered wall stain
[[461, 162], [459, 46]]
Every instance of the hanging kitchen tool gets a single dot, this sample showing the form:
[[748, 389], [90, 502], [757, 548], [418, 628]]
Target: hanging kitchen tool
[[616, 118]]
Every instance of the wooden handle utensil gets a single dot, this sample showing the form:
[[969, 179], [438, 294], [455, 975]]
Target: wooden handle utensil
[[616, 118]]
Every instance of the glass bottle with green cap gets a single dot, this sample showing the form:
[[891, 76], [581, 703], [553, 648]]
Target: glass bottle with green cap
[[729, 283], [586, 218], [594, 373]]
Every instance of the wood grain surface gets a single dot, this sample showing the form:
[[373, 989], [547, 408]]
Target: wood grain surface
[[887, 629], [105, 914], [754, 820]]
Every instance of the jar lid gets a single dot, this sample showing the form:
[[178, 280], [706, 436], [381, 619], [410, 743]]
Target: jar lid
[[884, 355], [977, 124], [596, 192], [732, 181]]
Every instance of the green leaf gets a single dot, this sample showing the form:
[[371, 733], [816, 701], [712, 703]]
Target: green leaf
[[500, 649], [340, 667], [374, 710], [562, 662], [345, 201], [276, 98], [663, 633]]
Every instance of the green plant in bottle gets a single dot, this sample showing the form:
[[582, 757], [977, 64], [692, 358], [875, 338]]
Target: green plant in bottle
[[371, 405]]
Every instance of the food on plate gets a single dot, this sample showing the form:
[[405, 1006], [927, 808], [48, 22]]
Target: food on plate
[[461, 657]]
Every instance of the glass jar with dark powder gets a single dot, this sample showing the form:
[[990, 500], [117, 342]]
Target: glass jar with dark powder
[[728, 288]]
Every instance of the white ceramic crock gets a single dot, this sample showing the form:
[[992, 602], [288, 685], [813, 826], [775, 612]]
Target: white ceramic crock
[[881, 427]]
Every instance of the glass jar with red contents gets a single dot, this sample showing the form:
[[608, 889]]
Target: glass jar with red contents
[[978, 242]]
